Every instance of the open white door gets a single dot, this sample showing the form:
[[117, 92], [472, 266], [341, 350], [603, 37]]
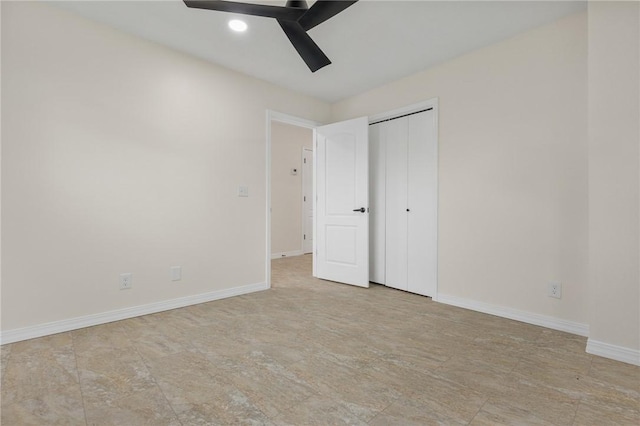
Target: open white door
[[342, 191]]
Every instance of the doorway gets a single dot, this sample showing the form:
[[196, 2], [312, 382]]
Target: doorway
[[289, 193]]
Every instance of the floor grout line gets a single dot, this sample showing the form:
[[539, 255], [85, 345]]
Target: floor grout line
[[155, 381], [479, 410], [75, 357]]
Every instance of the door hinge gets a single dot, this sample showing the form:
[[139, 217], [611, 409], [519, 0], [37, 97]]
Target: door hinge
[[304, 198], [305, 236], [305, 161]]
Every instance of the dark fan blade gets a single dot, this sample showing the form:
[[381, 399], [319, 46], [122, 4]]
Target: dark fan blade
[[321, 11], [307, 48], [279, 12]]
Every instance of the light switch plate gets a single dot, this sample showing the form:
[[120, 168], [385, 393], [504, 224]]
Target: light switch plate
[[243, 191], [176, 273]]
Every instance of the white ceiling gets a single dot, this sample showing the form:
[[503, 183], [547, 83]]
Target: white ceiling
[[371, 43]]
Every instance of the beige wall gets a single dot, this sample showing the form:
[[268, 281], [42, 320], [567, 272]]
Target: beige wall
[[614, 136], [512, 167], [287, 142], [119, 155]]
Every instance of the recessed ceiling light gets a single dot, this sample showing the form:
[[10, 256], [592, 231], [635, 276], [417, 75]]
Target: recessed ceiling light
[[237, 25]]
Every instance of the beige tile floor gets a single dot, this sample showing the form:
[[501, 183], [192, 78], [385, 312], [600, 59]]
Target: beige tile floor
[[314, 352]]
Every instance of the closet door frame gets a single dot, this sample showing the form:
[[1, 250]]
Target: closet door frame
[[409, 109]]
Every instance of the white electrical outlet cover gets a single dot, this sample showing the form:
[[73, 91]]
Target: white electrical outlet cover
[[555, 290], [126, 281]]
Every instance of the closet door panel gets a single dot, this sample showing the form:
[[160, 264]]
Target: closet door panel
[[377, 203], [422, 203], [396, 203]]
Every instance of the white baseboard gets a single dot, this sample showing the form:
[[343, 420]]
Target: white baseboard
[[515, 314], [618, 353], [286, 254], [55, 327]]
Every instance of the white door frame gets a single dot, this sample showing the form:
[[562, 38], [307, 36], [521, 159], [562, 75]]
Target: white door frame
[[409, 109], [287, 119], [305, 231]]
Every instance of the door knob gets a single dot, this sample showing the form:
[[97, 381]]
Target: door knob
[[361, 210]]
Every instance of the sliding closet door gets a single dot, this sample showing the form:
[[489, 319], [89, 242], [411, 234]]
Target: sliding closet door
[[422, 199], [377, 203], [396, 202]]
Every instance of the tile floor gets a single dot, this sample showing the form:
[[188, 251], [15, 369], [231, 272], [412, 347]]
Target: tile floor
[[314, 352]]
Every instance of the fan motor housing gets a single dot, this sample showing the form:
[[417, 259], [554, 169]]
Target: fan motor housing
[[301, 4]]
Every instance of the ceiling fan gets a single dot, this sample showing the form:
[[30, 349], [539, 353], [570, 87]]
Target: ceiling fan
[[295, 19]]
